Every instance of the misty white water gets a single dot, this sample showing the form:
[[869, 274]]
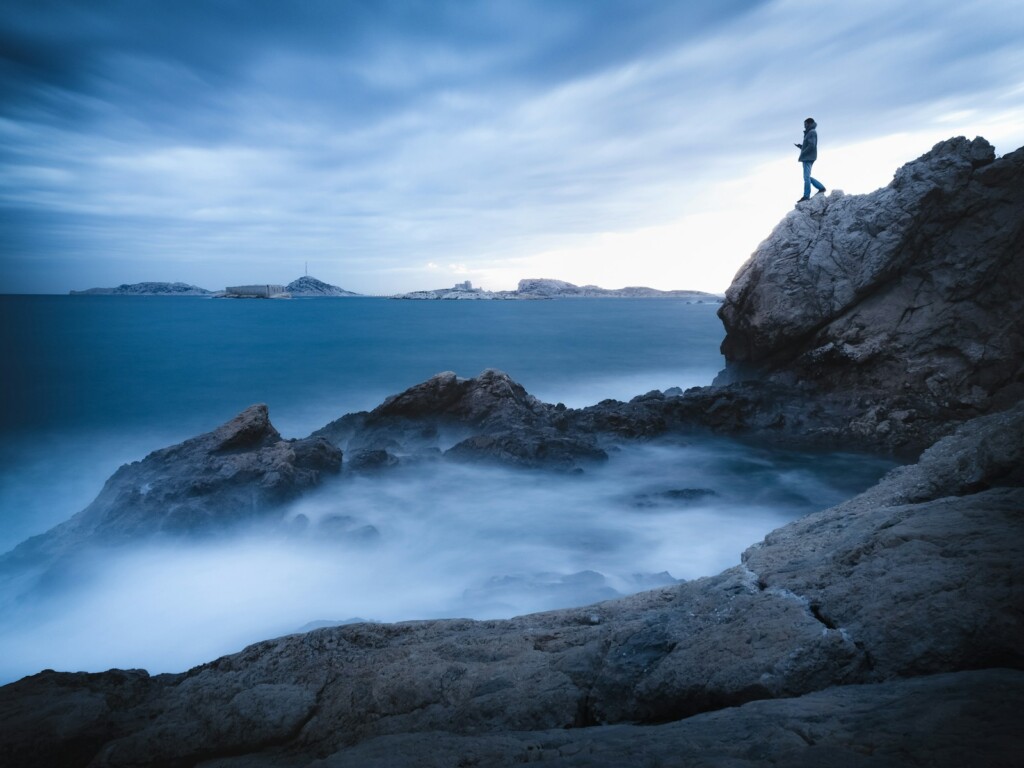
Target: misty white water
[[105, 380]]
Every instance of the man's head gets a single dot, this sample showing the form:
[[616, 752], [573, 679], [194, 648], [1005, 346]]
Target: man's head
[[809, 121]]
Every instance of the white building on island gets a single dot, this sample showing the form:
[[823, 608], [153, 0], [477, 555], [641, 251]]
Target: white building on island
[[256, 292]]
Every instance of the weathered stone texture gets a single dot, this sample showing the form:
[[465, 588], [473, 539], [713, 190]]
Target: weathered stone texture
[[917, 288], [239, 473]]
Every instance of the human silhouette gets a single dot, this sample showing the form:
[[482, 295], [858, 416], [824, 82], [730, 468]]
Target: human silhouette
[[808, 154]]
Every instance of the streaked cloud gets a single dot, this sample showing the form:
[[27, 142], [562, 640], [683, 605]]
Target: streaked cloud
[[215, 143]]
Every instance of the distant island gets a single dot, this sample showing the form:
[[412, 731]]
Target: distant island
[[306, 287], [310, 286], [540, 288], [147, 289], [302, 287]]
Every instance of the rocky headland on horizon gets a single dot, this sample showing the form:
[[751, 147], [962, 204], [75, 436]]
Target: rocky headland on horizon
[[146, 289], [310, 287], [305, 286], [885, 631], [543, 288]]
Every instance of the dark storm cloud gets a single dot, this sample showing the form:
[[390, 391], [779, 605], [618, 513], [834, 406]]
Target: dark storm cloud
[[158, 63], [161, 63]]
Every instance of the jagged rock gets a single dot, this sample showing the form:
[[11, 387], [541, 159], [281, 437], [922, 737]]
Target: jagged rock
[[486, 418], [243, 471], [911, 296], [492, 399], [489, 401], [805, 612]]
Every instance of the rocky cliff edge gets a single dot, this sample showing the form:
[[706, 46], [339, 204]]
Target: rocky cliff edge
[[911, 297]]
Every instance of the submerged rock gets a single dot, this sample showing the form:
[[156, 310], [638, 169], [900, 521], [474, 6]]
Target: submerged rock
[[370, 459], [676, 497]]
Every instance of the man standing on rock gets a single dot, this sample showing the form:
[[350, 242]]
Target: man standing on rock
[[808, 154]]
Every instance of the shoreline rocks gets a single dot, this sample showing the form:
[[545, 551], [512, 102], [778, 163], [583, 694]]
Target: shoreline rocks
[[802, 613], [488, 418], [241, 472]]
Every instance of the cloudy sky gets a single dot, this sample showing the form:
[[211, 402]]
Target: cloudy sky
[[401, 145]]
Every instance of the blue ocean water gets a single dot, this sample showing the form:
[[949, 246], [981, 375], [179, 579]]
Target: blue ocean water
[[92, 382], [95, 361]]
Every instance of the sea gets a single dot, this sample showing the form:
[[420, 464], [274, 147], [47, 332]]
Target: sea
[[92, 382]]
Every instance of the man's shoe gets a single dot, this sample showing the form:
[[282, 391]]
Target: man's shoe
[[802, 199]]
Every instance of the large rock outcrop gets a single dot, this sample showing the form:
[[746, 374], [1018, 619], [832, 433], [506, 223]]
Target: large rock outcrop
[[241, 472], [909, 300], [804, 612], [486, 418]]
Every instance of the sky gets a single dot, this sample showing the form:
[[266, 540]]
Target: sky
[[398, 145]]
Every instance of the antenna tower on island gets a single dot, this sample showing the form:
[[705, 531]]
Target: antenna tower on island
[[307, 269]]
